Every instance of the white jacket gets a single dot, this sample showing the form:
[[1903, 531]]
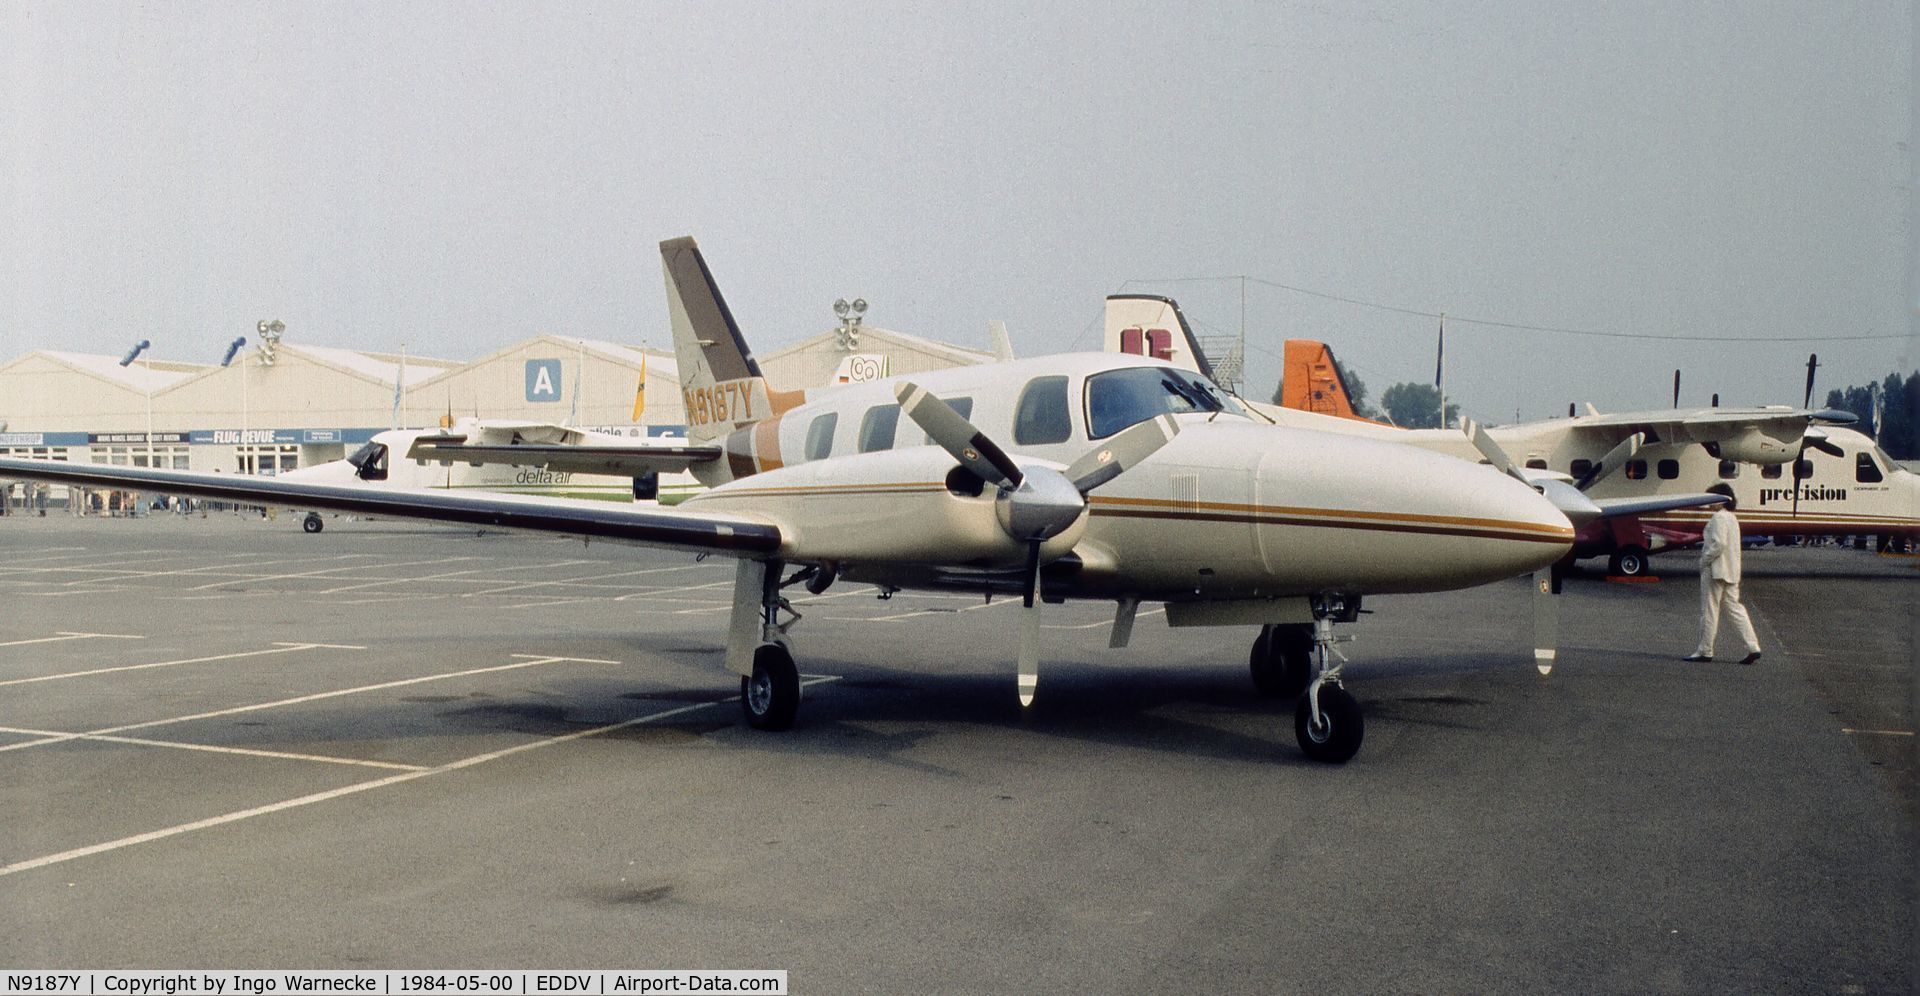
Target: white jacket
[[1720, 547]]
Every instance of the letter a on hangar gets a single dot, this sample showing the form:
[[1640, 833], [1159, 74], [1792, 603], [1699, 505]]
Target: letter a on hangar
[[543, 380]]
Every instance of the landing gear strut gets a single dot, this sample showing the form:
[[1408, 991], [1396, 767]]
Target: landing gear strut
[[1327, 721], [757, 645]]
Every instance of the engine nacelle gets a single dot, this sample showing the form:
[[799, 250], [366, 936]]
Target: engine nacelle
[[1754, 444]]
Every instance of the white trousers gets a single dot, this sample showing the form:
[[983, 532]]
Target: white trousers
[[1716, 597]]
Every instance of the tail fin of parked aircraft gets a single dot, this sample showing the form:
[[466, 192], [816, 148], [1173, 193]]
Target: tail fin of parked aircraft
[[720, 381], [1310, 381], [1145, 325]]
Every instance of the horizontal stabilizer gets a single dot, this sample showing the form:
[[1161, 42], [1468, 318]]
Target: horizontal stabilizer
[[618, 461], [1615, 507]]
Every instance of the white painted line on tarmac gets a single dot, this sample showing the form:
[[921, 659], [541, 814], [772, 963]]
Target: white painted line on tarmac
[[83, 591], [278, 648], [655, 592], [409, 580], [1878, 733], [236, 710], [257, 578], [359, 787], [214, 749], [1108, 622], [73, 636]]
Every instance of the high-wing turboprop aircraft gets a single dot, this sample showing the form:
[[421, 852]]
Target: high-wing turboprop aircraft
[[1090, 476], [538, 459], [1627, 462]]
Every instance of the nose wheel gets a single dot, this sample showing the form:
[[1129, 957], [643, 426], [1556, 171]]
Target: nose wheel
[[1327, 722]]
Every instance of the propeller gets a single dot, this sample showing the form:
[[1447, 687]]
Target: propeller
[[1615, 459], [1035, 503], [1806, 401], [1676, 389], [1579, 510]]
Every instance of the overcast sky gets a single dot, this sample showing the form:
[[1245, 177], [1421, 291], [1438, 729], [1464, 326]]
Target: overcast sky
[[457, 177]]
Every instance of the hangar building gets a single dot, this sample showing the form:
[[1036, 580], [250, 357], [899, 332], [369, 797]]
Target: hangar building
[[293, 404]]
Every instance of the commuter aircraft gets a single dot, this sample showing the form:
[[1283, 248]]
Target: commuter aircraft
[[1794, 471], [532, 472], [1091, 476]]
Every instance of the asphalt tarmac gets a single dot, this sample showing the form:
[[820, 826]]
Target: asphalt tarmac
[[225, 743]]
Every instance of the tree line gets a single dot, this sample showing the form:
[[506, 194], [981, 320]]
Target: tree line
[[1415, 405], [1898, 399]]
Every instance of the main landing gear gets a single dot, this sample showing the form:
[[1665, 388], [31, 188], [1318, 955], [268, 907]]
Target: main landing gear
[[757, 643], [1300, 659], [312, 523]]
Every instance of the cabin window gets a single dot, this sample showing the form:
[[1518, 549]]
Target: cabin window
[[1041, 417], [876, 428], [1536, 464], [1668, 469], [1770, 471], [1802, 469], [1729, 469], [820, 436], [1580, 469], [964, 406], [1636, 470], [1865, 470], [1117, 399]]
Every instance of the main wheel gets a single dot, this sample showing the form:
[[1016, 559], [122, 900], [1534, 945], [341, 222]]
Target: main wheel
[[313, 524], [770, 697], [1629, 562], [1337, 738], [1282, 660]]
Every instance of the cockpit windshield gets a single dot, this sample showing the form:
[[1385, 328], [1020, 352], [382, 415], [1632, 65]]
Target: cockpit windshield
[[1117, 399]]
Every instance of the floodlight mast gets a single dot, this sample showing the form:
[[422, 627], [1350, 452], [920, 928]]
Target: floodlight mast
[[850, 316]]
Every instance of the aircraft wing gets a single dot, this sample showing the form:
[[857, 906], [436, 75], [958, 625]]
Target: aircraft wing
[[634, 459], [1714, 420], [734, 535], [1613, 507]]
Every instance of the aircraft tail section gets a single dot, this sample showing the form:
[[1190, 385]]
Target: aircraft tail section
[[1310, 381], [720, 381], [1146, 325]]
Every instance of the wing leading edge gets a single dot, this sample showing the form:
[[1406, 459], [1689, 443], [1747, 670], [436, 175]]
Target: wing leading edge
[[735, 535]]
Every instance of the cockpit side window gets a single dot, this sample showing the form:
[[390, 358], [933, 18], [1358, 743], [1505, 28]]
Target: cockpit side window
[[1865, 470], [370, 462], [1117, 399], [1041, 417]]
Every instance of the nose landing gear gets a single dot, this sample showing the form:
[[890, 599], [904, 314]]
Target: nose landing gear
[[1300, 659]]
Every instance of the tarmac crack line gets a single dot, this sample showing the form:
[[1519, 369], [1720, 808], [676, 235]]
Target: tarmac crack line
[[213, 748], [278, 648], [359, 787], [298, 699], [64, 635]]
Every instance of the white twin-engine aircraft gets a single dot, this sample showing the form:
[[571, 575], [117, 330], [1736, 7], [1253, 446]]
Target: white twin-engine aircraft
[[1795, 471], [1090, 476]]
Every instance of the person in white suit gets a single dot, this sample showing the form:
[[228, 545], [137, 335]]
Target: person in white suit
[[1720, 581]]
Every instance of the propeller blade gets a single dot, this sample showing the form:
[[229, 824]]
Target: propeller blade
[[1030, 627], [1676, 389], [1546, 621], [1615, 459], [1491, 450], [1121, 452], [1813, 363], [957, 436]]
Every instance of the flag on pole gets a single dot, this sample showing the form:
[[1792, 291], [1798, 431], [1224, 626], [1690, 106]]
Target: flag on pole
[[640, 390], [399, 381]]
